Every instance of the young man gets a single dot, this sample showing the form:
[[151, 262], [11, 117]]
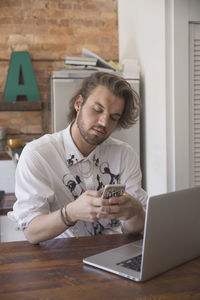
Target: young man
[[60, 177]]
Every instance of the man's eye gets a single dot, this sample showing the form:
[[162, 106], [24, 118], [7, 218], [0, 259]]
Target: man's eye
[[97, 109], [115, 118]]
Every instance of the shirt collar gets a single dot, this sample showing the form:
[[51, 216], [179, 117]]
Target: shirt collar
[[73, 155]]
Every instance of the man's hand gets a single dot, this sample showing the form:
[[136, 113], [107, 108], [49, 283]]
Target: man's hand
[[91, 207], [87, 207], [122, 208]]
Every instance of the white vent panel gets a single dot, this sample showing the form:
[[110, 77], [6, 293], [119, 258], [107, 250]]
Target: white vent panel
[[195, 104]]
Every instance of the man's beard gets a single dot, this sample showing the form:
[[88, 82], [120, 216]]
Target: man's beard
[[88, 138]]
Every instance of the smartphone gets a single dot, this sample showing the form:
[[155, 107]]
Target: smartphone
[[113, 190]]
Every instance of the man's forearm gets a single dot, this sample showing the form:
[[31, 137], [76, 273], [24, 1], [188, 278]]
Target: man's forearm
[[44, 227]]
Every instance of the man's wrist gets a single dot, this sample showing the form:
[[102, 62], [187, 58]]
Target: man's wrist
[[65, 218], [67, 215]]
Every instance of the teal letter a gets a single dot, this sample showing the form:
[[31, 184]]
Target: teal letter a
[[21, 66]]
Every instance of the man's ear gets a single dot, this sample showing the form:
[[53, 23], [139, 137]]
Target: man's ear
[[78, 102]]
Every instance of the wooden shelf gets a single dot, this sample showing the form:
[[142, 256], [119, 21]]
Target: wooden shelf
[[6, 203], [21, 106], [4, 155]]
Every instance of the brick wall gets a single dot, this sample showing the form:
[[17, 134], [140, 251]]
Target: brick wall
[[49, 30]]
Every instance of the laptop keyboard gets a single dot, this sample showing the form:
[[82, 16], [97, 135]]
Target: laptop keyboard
[[132, 263]]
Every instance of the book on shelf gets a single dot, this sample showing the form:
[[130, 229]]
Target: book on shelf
[[100, 61], [90, 60], [80, 61], [85, 67]]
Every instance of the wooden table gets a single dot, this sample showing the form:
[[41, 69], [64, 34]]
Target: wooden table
[[54, 270], [6, 203]]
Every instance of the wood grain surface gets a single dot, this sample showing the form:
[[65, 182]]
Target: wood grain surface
[[54, 270]]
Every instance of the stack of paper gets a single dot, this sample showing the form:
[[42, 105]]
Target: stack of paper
[[90, 60], [100, 62], [81, 61]]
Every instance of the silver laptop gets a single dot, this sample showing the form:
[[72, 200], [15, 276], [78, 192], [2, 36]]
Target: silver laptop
[[171, 238]]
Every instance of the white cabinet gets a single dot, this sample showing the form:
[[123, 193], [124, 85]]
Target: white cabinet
[[9, 231], [7, 176]]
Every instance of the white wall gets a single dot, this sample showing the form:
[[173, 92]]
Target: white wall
[[142, 36], [156, 33], [177, 91]]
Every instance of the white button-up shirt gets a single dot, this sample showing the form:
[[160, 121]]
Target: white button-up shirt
[[52, 172]]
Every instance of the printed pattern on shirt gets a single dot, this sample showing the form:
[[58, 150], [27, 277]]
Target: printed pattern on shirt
[[104, 176], [74, 183]]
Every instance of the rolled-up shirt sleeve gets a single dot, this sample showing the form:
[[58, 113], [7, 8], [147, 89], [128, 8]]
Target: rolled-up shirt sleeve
[[32, 189]]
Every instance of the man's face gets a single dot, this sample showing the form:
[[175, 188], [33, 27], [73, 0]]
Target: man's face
[[99, 115]]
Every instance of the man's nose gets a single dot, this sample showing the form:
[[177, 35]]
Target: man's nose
[[104, 119]]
